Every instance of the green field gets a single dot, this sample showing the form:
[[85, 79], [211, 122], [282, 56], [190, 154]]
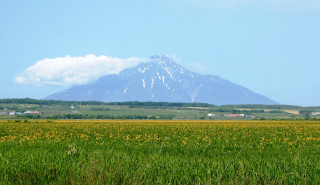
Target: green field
[[149, 110], [159, 152]]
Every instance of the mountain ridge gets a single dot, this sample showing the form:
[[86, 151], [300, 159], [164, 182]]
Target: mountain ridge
[[162, 80]]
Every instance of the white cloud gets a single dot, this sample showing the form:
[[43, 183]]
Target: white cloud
[[193, 66], [200, 67], [65, 71], [176, 59]]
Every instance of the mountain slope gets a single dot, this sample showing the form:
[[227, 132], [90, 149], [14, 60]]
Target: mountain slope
[[162, 80]]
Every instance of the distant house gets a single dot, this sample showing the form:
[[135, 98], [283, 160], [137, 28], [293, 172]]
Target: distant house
[[74, 112], [18, 113], [31, 112], [3, 113], [211, 115], [11, 113], [315, 114], [236, 115]]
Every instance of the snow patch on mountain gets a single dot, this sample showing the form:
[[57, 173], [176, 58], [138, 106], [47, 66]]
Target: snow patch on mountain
[[125, 90], [169, 72], [143, 70], [158, 75], [152, 82], [194, 93], [164, 82]]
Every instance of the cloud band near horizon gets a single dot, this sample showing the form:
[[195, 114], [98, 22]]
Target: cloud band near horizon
[[66, 71]]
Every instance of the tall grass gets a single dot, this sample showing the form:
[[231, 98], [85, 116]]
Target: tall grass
[[160, 152]]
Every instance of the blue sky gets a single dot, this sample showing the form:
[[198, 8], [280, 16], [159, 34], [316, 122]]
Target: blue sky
[[271, 47]]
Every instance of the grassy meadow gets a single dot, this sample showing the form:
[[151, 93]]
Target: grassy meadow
[[159, 152]]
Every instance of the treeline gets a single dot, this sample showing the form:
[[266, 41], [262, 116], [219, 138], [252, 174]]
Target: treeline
[[13, 108], [148, 107], [236, 111], [166, 104], [100, 109], [306, 113], [275, 111], [86, 116], [9, 108], [28, 116]]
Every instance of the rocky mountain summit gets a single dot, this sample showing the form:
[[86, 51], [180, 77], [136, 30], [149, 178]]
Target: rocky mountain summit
[[162, 80]]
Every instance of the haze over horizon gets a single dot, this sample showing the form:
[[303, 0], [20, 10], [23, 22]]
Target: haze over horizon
[[270, 47]]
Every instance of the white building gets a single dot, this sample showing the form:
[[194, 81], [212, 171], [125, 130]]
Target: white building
[[315, 114], [31, 112]]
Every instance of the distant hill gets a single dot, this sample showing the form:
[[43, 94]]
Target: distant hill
[[162, 80]]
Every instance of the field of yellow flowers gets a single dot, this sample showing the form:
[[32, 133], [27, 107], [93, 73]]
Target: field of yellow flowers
[[160, 152]]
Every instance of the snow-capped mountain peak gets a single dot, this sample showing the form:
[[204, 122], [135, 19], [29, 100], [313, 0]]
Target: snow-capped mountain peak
[[162, 80]]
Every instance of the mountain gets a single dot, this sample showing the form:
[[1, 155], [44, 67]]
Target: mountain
[[162, 80]]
